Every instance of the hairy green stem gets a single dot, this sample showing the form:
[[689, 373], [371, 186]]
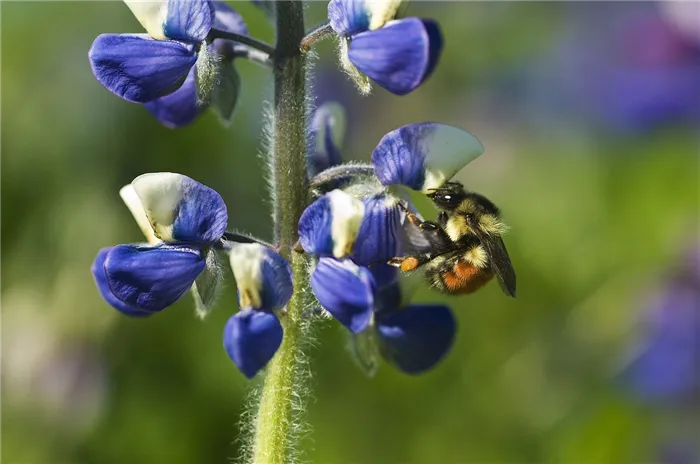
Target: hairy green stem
[[276, 427]]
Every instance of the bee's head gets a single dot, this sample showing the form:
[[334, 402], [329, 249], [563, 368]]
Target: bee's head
[[449, 196]]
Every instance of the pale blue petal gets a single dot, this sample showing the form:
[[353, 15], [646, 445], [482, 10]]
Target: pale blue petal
[[188, 20], [346, 291], [251, 339], [180, 108], [151, 278], [416, 338], [138, 68], [400, 55], [424, 156], [98, 272]]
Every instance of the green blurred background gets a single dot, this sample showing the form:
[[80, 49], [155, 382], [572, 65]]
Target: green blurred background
[[598, 213]]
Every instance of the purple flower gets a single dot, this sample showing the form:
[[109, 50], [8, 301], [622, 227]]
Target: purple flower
[[172, 71], [399, 55]]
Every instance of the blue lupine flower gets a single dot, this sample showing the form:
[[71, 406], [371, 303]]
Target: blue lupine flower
[[356, 228], [181, 219], [399, 55], [173, 71], [327, 134], [265, 284], [414, 338], [364, 220]]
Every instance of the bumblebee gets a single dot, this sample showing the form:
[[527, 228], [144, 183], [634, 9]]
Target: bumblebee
[[464, 247]]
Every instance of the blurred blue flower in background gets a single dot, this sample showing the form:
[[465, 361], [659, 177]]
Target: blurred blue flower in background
[[327, 132], [399, 55], [666, 365]]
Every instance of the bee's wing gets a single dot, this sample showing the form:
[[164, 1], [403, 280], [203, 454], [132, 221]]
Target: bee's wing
[[500, 262]]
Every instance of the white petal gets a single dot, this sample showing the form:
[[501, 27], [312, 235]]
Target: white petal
[[160, 194], [381, 12], [346, 214], [151, 15], [246, 259], [131, 199]]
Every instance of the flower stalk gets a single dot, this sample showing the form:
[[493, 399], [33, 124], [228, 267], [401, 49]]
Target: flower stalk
[[275, 422]]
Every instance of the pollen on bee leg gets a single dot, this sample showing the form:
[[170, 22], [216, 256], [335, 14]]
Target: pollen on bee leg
[[409, 263]]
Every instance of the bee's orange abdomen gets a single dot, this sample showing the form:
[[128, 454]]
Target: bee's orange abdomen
[[466, 278]]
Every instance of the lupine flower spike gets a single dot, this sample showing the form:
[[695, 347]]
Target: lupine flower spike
[[172, 70], [397, 54]]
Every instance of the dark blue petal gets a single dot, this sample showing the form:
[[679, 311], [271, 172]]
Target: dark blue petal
[[329, 226], [181, 209], [348, 17], [384, 275], [264, 278], [424, 156], [138, 68], [251, 339], [227, 19], [327, 133], [400, 55], [152, 278], [377, 240], [345, 290], [98, 272], [179, 108], [188, 20], [416, 338]]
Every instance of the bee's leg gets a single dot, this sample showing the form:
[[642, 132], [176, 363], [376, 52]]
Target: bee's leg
[[442, 219], [410, 263]]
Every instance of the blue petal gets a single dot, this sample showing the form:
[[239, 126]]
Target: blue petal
[[138, 68], [400, 55], [98, 272], [345, 290], [416, 338], [329, 226], [188, 20], [251, 339], [377, 240], [384, 275], [179, 108], [327, 133], [264, 278], [424, 156], [151, 278], [348, 17], [181, 209], [228, 20]]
